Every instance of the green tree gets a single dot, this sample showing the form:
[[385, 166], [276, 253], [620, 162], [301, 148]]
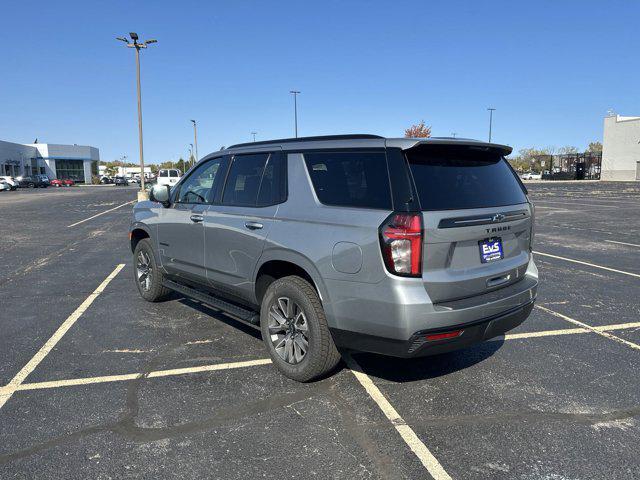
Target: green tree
[[595, 147]]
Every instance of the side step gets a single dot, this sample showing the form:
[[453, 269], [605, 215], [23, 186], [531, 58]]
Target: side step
[[242, 313]]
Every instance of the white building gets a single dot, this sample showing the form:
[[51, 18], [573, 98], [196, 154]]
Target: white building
[[621, 148], [77, 162], [134, 171]]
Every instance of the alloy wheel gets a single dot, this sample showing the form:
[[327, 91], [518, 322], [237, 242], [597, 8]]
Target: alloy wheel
[[144, 270], [289, 330]]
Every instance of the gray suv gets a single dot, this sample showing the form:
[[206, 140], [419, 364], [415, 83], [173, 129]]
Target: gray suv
[[399, 246]]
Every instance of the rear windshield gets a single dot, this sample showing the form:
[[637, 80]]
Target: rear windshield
[[452, 177]]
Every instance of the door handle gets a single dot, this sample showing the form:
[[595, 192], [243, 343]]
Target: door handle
[[196, 218], [253, 225]]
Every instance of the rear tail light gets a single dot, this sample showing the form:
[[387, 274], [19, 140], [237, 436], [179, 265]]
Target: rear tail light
[[401, 243], [443, 336]]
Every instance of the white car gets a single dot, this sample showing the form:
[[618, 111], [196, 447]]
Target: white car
[[12, 182], [169, 176], [4, 186], [531, 176]]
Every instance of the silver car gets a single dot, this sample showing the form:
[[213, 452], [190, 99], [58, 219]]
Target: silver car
[[399, 246]]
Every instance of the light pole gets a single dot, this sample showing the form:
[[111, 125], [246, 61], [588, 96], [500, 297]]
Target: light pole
[[453, 134], [254, 135], [192, 160], [491, 110], [295, 108], [195, 138], [134, 44]]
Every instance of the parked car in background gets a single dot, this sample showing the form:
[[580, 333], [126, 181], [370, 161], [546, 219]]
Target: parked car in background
[[4, 186], [56, 183], [44, 178], [399, 246], [32, 182], [169, 176], [67, 182], [106, 180], [531, 176], [12, 182], [121, 180]]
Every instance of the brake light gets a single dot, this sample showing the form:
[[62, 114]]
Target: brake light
[[401, 243]]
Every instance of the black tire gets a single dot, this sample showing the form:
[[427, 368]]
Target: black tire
[[155, 291], [322, 355]]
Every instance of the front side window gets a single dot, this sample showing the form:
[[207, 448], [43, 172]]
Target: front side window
[[350, 179], [163, 173], [243, 181], [198, 187]]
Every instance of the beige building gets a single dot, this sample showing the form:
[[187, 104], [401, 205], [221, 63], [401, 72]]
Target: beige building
[[621, 148]]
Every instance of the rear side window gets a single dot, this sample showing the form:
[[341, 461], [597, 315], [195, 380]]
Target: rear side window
[[350, 179], [243, 181], [163, 173], [458, 177]]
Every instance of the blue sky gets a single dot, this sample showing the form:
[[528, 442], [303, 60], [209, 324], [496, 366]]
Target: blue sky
[[552, 69]]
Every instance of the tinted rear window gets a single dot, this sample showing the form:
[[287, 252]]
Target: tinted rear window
[[451, 178], [350, 179]]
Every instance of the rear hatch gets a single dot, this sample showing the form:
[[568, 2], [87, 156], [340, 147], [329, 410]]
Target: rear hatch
[[477, 220]]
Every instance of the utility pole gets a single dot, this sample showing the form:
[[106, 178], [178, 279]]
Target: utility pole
[[491, 110], [254, 135], [295, 94], [134, 44], [453, 134], [195, 138]]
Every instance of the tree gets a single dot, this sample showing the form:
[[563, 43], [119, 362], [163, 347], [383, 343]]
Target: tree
[[595, 147], [568, 150], [418, 131]]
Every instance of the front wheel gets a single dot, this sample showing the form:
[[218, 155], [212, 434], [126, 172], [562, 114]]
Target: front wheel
[[295, 331], [146, 273]]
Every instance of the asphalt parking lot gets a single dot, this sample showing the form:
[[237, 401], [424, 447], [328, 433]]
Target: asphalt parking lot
[[97, 383]]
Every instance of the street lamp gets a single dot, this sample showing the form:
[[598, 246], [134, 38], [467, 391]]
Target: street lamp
[[138, 45], [191, 159], [254, 135], [491, 110], [195, 137], [295, 108]]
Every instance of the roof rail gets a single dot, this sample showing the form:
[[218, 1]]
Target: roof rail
[[355, 136]]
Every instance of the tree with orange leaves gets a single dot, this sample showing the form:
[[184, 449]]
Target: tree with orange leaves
[[418, 131]]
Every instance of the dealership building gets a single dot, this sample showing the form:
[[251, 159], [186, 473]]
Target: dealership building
[[621, 148], [77, 162]]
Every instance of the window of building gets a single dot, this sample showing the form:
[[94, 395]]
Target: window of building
[[70, 169], [350, 179]]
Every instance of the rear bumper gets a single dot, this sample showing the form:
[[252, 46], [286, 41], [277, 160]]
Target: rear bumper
[[418, 345]]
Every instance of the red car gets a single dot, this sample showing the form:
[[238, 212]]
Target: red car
[[66, 182]]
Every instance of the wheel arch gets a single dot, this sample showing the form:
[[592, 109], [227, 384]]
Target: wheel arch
[[137, 232]]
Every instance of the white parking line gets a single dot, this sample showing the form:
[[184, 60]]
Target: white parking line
[[406, 432], [72, 382], [101, 213], [597, 330], [587, 263], [623, 243], [570, 331], [8, 390]]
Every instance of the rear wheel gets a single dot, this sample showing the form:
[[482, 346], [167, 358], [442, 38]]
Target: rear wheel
[[295, 331], [147, 275]]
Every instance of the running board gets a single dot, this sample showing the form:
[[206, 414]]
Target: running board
[[242, 313]]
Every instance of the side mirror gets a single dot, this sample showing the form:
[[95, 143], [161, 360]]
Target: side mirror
[[160, 193]]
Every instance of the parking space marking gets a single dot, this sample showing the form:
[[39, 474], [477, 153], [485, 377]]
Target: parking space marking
[[589, 264], [101, 213], [9, 389], [134, 376], [406, 432], [597, 330], [623, 243], [571, 331]]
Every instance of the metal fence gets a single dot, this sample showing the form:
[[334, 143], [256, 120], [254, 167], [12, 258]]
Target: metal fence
[[572, 166]]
